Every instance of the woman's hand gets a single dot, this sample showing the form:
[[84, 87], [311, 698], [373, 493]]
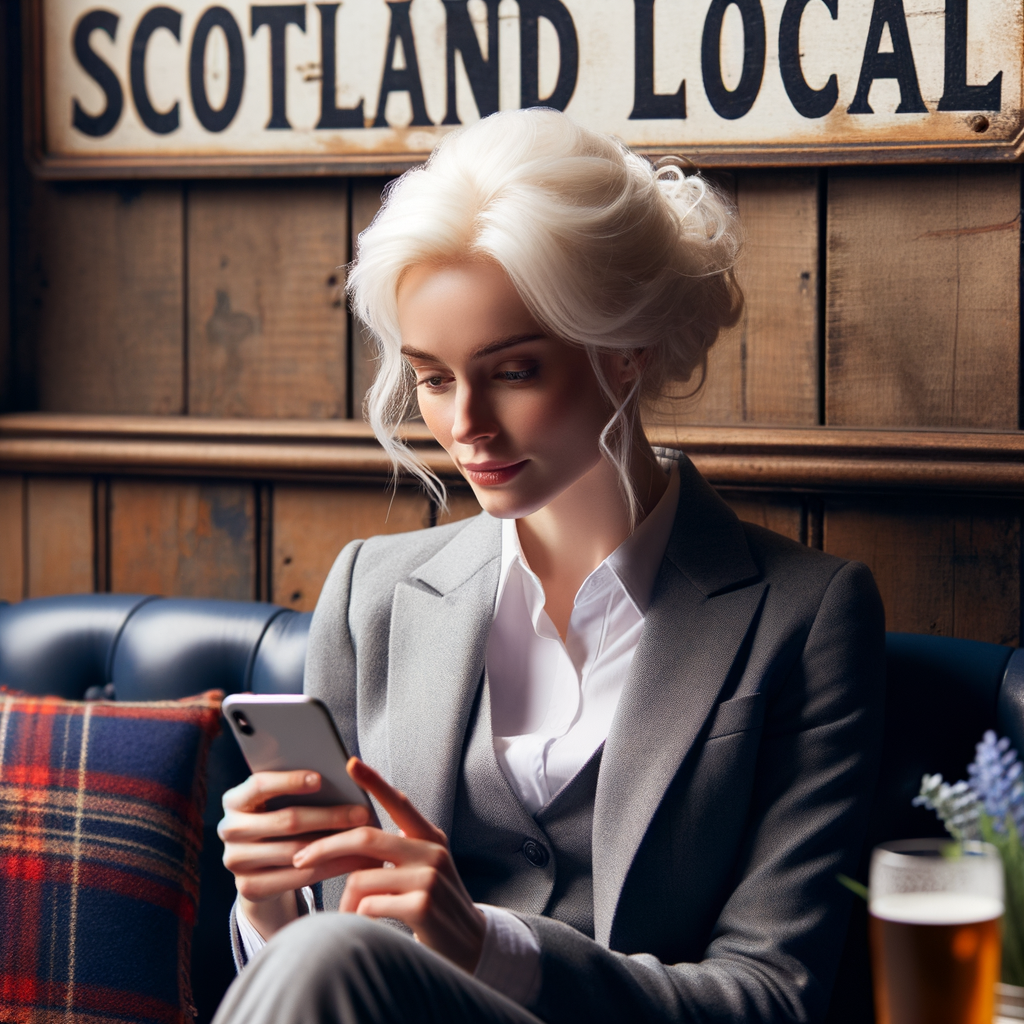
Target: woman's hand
[[259, 845], [423, 889]]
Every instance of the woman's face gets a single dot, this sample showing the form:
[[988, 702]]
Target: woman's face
[[519, 412]]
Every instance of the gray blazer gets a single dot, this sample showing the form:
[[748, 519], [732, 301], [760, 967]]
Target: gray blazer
[[735, 781]]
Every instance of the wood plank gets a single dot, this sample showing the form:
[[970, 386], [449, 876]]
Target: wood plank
[[765, 370], [950, 567], [12, 538], [923, 298], [267, 313], [183, 538], [312, 524], [342, 451], [59, 517], [783, 513], [105, 297], [366, 195]]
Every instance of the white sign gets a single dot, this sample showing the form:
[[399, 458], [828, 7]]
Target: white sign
[[133, 86]]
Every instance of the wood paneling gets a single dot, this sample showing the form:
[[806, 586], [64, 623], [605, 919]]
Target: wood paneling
[[267, 313], [785, 514], [923, 298], [765, 370], [366, 195], [105, 285], [948, 567], [343, 451], [59, 520], [183, 538], [12, 538], [312, 524]]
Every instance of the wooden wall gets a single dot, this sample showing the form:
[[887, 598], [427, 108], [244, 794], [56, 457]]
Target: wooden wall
[[877, 298]]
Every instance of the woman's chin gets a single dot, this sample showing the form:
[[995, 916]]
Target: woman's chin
[[507, 503]]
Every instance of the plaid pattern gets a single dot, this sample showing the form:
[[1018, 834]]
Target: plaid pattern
[[101, 826]]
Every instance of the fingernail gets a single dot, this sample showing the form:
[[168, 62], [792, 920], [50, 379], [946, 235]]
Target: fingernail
[[311, 779]]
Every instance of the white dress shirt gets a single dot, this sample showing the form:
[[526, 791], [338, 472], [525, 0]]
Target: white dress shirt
[[552, 702]]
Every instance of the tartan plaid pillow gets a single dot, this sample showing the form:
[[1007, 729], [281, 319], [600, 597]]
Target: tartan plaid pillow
[[101, 824]]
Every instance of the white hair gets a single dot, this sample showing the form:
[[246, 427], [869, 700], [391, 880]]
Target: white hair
[[606, 251]]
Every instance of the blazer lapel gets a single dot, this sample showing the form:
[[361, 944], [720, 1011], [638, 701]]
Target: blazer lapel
[[440, 619], [705, 599]]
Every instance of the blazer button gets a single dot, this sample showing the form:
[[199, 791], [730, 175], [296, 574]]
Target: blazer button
[[536, 854]]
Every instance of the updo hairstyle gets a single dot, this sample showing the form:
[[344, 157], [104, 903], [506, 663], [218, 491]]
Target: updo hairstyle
[[605, 251]]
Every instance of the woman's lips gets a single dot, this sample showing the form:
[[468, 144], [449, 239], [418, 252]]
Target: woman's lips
[[491, 474]]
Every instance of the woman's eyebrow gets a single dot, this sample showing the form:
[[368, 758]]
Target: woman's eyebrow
[[497, 346], [486, 350]]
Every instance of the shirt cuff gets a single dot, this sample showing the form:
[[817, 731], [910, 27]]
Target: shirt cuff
[[252, 941], [510, 959]]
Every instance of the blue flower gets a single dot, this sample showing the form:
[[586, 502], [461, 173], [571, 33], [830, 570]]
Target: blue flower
[[996, 777], [956, 805]]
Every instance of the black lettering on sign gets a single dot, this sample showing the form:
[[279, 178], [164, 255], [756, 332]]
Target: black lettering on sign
[[898, 64], [97, 69], [647, 104], [806, 101], [330, 115], [733, 103], [157, 17], [405, 79], [277, 18], [956, 93], [482, 74], [553, 11], [216, 120]]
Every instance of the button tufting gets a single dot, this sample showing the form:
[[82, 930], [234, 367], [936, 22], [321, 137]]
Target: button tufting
[[536, 854]]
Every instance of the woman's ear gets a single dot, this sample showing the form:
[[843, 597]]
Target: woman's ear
[[623, 367]]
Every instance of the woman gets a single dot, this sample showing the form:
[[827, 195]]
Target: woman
[[636, 738]]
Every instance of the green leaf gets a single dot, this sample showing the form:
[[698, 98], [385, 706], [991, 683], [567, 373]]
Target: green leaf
[[855, 887]]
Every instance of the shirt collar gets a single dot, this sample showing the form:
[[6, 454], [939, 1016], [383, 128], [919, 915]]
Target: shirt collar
[[634, 563]]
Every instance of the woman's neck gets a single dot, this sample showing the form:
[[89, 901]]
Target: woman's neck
[[565, 541]]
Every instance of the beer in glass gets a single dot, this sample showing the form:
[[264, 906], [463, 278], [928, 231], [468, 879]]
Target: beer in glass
[[935, 913]]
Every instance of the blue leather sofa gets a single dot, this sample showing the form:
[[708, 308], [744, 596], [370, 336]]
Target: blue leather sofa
[[942, 694]]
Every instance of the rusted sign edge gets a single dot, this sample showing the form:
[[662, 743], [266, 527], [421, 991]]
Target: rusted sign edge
[[710, 157]]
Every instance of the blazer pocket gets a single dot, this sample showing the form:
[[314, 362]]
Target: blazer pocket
[[737, 715]]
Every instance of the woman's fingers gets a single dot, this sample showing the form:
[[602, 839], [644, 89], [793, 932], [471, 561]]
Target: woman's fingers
[[396, 803], [434, 905], [265, 885], [243, 826], [368, 842], [261, 786], [386, 882], [245, 858]]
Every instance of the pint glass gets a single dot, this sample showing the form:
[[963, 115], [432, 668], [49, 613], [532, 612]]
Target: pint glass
[[935, 913]]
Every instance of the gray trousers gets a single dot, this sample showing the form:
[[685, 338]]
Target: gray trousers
[[343, 969]]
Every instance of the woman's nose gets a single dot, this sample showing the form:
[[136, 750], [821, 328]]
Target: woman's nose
[[474, 419]]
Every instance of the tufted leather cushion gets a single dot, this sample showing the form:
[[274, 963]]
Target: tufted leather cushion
[[281, 656], [62, 645], [177, 646]]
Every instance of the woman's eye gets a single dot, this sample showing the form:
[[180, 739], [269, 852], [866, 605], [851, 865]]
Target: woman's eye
[[514, 376], [432, 383]]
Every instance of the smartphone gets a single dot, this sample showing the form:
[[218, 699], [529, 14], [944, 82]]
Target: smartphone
[[287, 731]]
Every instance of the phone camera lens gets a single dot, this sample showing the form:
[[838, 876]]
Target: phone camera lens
[[243, 723]]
